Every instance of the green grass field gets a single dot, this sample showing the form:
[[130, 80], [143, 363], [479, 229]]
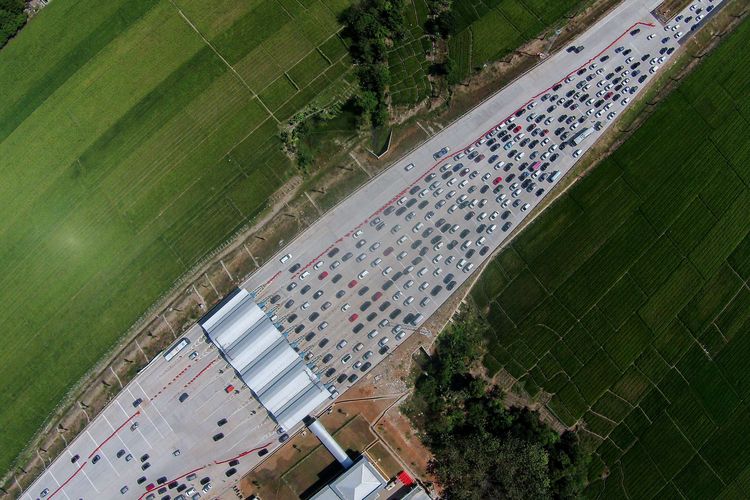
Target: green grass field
[[497, 27], [128, 150], [628, 299]]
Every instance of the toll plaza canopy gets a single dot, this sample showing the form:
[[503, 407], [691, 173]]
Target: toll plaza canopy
[[264, 360]]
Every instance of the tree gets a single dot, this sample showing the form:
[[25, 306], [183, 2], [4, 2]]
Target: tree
[[481, 448], [12, 19]]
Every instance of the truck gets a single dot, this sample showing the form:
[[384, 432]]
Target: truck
[[582, 135]]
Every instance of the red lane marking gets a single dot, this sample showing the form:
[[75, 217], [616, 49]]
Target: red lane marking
[[68, 480], [244, 453], [200, 373], [114, 432], [450, 158], [175, 479]]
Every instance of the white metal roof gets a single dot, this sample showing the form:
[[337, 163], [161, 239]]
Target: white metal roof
[[264, 359], [362, 481]]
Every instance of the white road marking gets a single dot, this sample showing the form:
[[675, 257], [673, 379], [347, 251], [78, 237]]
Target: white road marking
[[96, 445], [144, 413], [58, 484]]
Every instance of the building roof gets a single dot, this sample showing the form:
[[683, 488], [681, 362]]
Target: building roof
[[361, 481], [264, 360], [416, 493]]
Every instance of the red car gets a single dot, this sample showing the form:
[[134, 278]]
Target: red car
[[517, 129], [353, 318], [323, 275], [150, 487], [497, 180], [377, 295], [229, 388], [608, 95], [352, 284], [543, 132]]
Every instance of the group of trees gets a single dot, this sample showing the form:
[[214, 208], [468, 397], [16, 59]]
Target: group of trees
[[482, 449], [442, 20], [372, 26], [12, 19]]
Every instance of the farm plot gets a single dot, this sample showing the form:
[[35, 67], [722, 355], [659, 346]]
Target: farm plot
[[628, 301], [488, 30], [128, 151], [408, 62]]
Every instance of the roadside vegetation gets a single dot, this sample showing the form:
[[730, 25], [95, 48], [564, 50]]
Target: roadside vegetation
[[481, 448], [372, 26], [626, 304]]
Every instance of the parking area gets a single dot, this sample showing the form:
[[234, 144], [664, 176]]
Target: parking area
[[353, 286], [178, 429]]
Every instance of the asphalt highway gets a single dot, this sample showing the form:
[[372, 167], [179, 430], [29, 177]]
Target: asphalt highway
[[350, 288]]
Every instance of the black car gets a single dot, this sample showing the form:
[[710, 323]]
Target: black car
[[221, 422], [263, 452], [341, 378], [183, 397], [218, 436], [231, 472], [604, 58], [234, 463]]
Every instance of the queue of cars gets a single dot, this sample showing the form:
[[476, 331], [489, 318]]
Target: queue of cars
[[413, 254]]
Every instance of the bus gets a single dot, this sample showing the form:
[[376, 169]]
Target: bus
[[583, 134], [173, 351]]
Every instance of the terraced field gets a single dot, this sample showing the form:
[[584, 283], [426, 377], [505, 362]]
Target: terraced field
[[135, 136], [628, 300]]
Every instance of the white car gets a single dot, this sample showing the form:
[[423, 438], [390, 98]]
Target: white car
[[363, 274], [285, 258], [345, 307], [494, 215], [576, 153]]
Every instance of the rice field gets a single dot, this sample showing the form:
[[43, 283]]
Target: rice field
[[627, 302], [497, 27], [132, 143]]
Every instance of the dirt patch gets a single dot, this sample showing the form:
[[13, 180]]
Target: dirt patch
[[669, 8]]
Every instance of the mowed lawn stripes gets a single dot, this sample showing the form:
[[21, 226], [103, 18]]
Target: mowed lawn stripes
[[128, 151], [628, 302]]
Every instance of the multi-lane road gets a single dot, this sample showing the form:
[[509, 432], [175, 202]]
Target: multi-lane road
[[350, 288]]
